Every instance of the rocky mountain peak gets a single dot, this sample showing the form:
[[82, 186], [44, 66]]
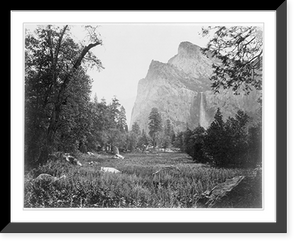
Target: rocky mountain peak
[[191, 60], [188, 49], [180, 89]]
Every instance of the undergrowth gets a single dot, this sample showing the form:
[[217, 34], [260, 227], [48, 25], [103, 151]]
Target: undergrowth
[[134, 187]]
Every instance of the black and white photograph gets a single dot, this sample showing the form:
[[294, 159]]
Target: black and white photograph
[[143, 115]]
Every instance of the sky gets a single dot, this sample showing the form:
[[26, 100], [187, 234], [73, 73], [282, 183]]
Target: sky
[[127, 52]]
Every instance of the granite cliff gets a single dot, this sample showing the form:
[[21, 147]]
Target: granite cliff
[[180, 89]]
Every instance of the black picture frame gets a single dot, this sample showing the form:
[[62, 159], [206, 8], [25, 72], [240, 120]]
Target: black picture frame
[[280, 226]]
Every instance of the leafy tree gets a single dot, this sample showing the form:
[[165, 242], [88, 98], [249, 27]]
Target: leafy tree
[[155, 125], [101, 121], [75, 120], [238, 51], [53, 62]]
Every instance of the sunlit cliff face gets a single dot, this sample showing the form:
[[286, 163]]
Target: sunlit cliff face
[[180, 89]]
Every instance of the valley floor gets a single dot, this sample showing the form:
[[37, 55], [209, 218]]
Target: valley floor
[[153, 180]]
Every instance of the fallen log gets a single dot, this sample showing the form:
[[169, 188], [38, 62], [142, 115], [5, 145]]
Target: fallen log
[[211, 197]]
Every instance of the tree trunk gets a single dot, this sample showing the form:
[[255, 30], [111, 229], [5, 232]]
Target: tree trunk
[[49, 143]]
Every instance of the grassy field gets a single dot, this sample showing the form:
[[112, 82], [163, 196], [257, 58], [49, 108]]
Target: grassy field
[[134, 187]]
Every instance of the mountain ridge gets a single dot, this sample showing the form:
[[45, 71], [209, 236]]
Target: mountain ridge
[[181, 90]]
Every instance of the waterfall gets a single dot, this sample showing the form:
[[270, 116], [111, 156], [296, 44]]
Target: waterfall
[[203, 119]]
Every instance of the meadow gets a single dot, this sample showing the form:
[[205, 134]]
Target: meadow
[[136, 186]]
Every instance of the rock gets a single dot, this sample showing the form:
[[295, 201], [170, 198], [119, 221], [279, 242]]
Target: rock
[[71, 159], [181, 90], [90, 153], [109, 170]]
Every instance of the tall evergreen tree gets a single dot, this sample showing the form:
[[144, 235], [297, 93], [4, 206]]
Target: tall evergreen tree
[[122, 122], [216, 141], [155, 125], [136, 129], [237, 135]]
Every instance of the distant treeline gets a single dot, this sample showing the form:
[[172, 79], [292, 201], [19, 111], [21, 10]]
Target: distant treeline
[[230, 143]]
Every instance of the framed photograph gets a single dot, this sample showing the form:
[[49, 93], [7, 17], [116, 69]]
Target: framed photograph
[[169, 121]]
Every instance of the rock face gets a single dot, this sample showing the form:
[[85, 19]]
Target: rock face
[[181, 90]]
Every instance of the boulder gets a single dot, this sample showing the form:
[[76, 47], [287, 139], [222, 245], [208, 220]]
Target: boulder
[[109, 170]]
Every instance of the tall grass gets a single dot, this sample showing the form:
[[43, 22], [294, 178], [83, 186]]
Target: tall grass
[[134, 187]]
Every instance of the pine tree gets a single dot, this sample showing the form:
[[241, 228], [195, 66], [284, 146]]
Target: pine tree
[[237, 135], [216, 141], [136, 129], [155, 126], [197, 141], [122, 122], [255, 145], [143, 141]]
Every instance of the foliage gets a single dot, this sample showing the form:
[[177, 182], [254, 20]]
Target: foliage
[[238, 51], [56, 90], [195, 145], [109, 125], [136, 129], [143, 141], [231, 143]]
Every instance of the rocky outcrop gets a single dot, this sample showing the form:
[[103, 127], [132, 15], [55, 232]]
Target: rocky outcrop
[[181, 90]]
